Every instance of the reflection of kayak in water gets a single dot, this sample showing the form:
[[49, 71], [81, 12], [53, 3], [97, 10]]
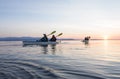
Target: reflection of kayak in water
[[85, 40], [39, 43]]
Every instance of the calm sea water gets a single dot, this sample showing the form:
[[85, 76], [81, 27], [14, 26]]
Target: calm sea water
[[68, 60]]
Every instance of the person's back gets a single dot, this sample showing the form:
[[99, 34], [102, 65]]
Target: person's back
[[86, 38], [53, 39], [44, 39]]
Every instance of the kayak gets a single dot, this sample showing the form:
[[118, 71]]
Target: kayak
[[85, 40], [39, 43]]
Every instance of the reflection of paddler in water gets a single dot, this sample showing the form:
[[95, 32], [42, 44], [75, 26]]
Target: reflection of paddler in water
[[86, 43], [53, 49], [44, 49]]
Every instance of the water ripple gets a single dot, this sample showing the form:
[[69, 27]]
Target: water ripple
[[25, 70]]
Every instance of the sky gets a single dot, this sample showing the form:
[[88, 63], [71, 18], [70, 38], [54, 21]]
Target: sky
[[99, 19]]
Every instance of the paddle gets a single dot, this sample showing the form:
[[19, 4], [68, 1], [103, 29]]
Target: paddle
[[59, 34], [51, 33]]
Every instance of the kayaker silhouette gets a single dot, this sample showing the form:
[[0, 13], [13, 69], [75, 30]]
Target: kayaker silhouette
[[44, 38], [53, 39]]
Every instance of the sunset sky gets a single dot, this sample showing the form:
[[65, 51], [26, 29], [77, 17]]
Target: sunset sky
[[99, 19]]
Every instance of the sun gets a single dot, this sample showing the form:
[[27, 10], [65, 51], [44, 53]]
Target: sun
[[105, 37]]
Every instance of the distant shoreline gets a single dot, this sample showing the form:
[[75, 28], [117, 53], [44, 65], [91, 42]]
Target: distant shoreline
[[27, 39], [36, 38]]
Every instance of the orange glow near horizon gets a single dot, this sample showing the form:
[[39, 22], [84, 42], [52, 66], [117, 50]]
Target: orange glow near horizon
[[93, 36], [105, 37], [70, 35]]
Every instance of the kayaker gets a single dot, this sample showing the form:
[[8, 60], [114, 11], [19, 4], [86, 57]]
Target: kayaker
[[44, 38], [87, 38], [53, 39]]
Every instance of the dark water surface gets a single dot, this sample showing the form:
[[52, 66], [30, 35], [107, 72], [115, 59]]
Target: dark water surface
[[68, 60]]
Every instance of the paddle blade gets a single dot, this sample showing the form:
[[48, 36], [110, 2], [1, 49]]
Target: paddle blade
[[51, 33], [59, 34]]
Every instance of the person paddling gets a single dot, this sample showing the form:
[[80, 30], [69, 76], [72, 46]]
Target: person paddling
[[44, 38], [53, 39], [87, 38]]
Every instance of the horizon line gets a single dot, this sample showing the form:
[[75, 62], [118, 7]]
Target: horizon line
[[59, 38]]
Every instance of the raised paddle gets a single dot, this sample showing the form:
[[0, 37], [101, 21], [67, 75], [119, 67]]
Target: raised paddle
[[59, 34], [51, 33]]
